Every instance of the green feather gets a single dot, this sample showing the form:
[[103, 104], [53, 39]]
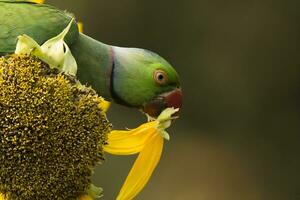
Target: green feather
[[39, 21], [16, 1], [94, 61]]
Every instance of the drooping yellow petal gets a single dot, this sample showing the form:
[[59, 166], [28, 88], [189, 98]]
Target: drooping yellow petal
[[38, 1], [80, 27], [131, 141], [142, 168], [147, 140]]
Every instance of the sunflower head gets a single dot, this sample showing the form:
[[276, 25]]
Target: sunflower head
[[52, 131]]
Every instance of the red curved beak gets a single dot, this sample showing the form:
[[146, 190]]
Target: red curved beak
[[172, 99]]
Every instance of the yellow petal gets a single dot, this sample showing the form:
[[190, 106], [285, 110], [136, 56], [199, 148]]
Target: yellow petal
[[131, 141], [80, 27], [104, 105], [142, 169], [2, 197], [85, 197], [37, 1]]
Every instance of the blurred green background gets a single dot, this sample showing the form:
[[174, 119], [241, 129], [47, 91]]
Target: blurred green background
[[238, 137]]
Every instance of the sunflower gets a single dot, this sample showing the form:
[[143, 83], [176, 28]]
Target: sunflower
[[54, 130]]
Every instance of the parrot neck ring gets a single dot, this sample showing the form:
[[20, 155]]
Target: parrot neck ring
[[110, 82]]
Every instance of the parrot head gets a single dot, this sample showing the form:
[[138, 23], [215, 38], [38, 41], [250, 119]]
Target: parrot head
[[144, 80]]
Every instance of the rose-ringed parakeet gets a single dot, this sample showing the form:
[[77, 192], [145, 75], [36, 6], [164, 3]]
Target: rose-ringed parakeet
[[129, 76]]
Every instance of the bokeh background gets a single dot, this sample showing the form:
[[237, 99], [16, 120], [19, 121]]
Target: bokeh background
[[238, 137]]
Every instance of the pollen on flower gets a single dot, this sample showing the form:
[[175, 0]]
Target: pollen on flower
[[52, 132]]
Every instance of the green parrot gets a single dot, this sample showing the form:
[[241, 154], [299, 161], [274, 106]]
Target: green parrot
[[132, 77]]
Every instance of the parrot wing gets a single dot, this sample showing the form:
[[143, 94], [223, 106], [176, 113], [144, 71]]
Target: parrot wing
[[38, 21], [15, 1]]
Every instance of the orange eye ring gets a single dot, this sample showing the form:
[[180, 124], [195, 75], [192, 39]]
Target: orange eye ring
[[160, 77]]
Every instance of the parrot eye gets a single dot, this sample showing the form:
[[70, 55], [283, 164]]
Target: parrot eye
[[160, 77]]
